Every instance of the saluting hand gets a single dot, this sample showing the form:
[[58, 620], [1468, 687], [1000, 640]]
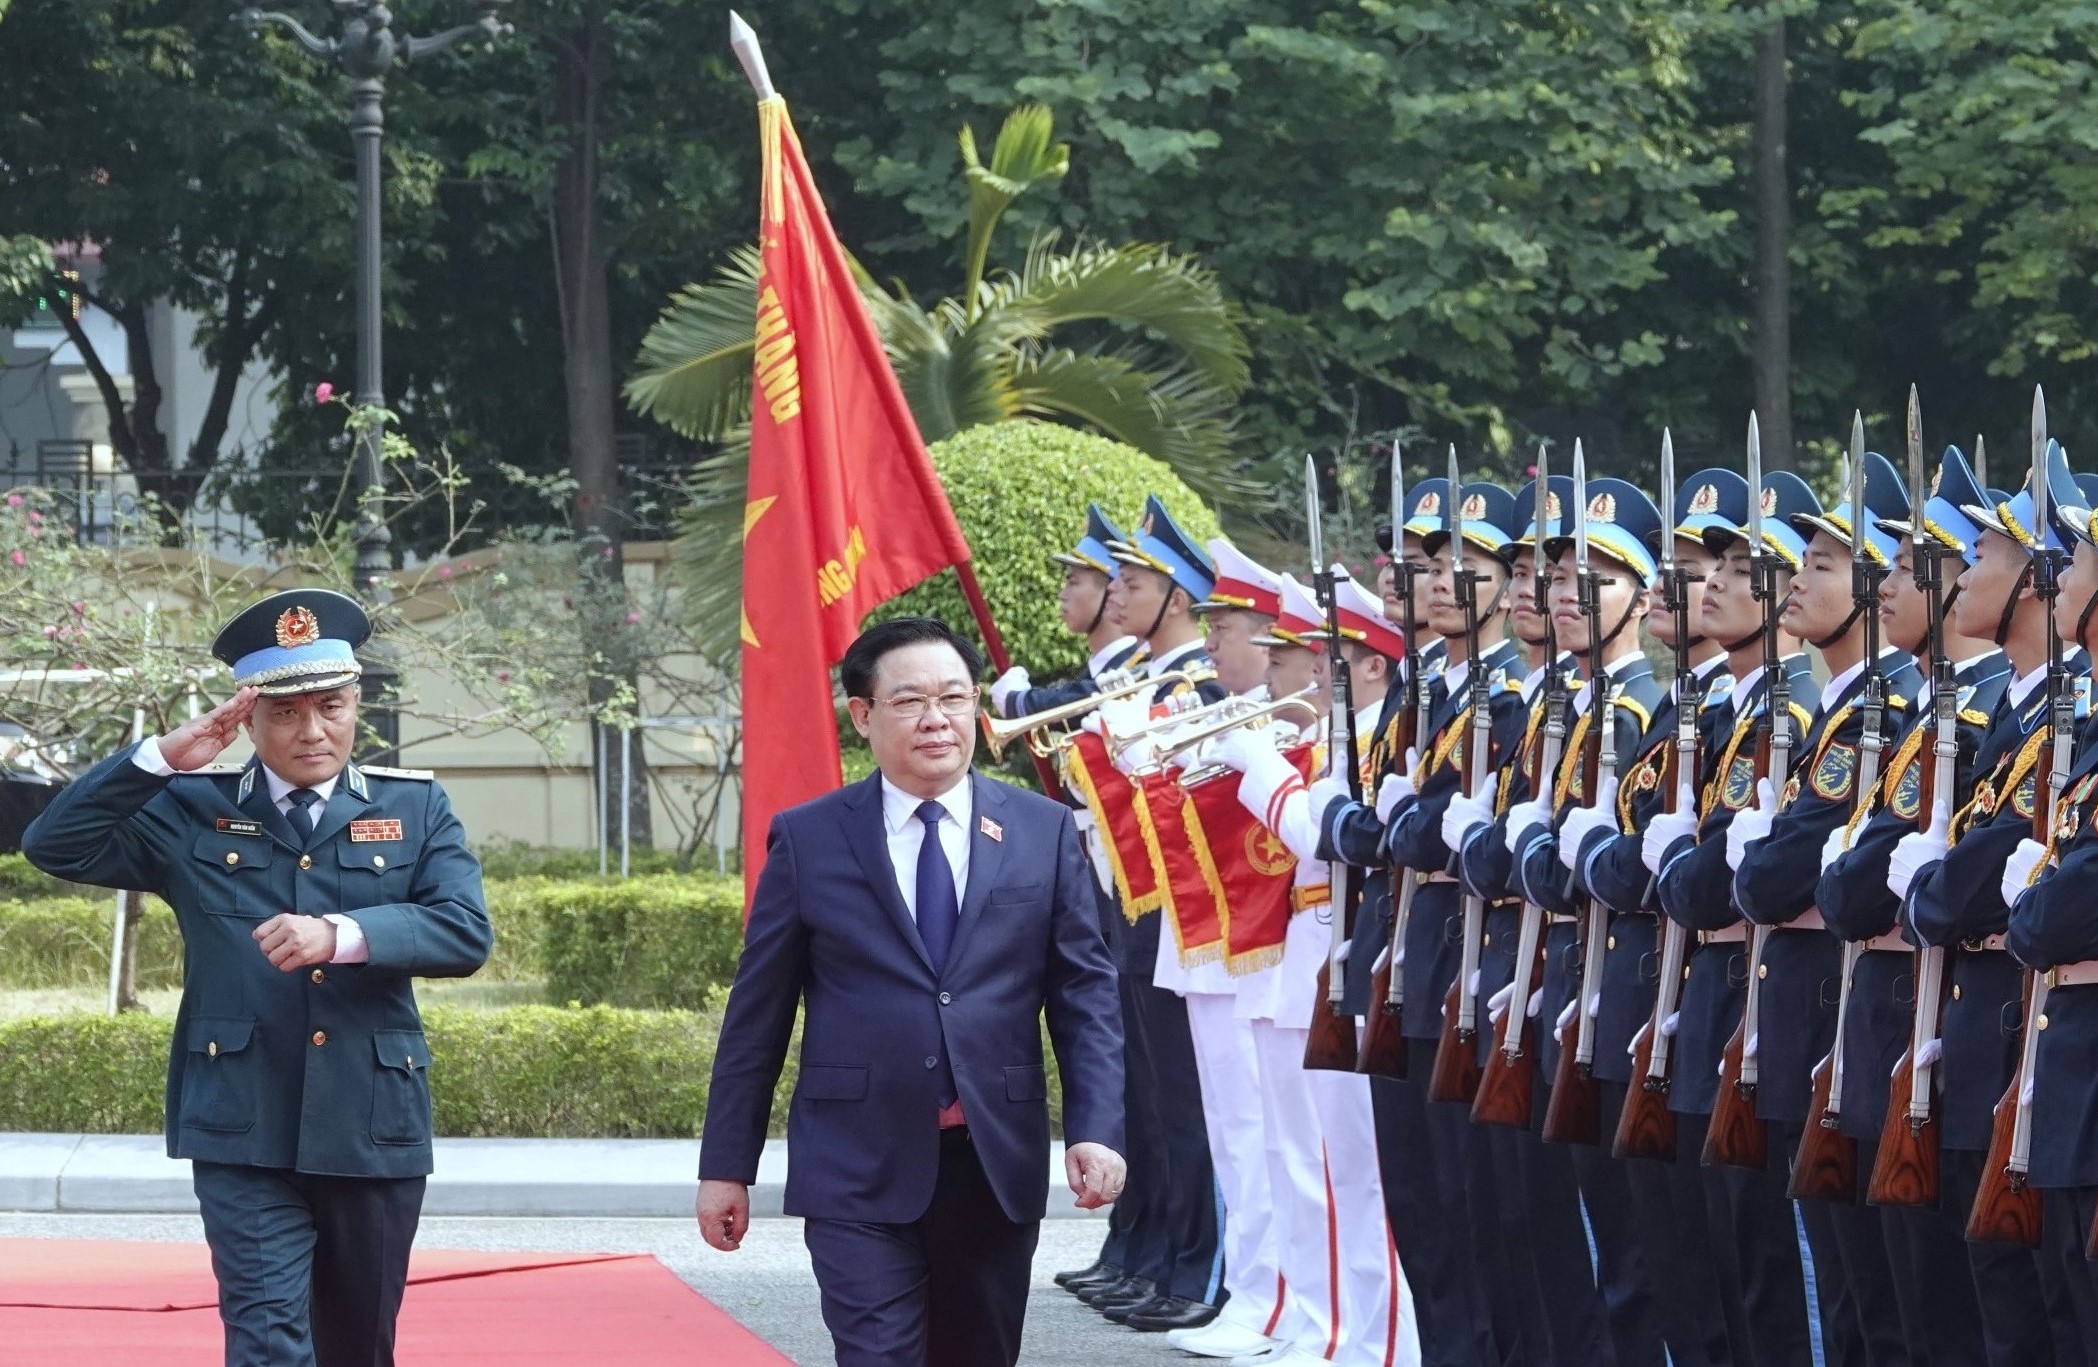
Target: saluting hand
[[201, 740]]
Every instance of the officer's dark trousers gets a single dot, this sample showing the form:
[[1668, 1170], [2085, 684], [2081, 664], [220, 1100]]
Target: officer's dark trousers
[[2065, 1222], [1424, 1153], [1697, 1277], [310, 1269], [1136, 1234], [1186, 1201], [1632, 1221], [1860, 1317], [948, 1289], [1751, 1210], [1932, 1275], [1547, 1262], [2028, 1315]]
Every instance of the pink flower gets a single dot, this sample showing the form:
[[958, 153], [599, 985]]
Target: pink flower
[[444, 571], [14, 500], [79, 608], [323, 392], [50, 633], [17, 557], [606, 553], [502, 676], [633, 619], [1530, 470]]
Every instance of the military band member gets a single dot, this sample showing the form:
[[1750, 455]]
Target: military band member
[[1941, 1311], [1601, 845], [1950, 885], [311, 892], [1757, 1248], [2051, 929], [1081, 605]]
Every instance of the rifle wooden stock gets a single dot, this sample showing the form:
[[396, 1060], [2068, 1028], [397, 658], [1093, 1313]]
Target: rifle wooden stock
[[1331, 1047], [1507, 1081], [2006, 1206], [1456, 1075], [1646, 1126], [1737, 1138], [1826, 1166], [1383, 1051], [1906, 1171], [1575, 1113]]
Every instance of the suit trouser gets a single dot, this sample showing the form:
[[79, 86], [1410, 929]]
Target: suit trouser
[[1695, 1279], [1630, 1234], [1565, 1274], [948, 1289], [2027, 1318], [311, 1269], [1235, 1120], [1935, 1280], [2065, 1222], [1853, 1280], [1429, 1221], [1193, 1261], [1751, 1213]]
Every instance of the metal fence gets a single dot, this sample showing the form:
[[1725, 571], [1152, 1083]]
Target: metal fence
[[243, 513]]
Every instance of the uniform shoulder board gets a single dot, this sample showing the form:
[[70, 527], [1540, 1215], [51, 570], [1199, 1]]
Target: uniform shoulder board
[[1638, 709], [210, 771], [1974, 716], [381, 771], [1509, 683], [1803, 718], [1897, 702]]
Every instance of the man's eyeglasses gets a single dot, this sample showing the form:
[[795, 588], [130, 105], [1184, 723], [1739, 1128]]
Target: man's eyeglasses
[[913, 706]]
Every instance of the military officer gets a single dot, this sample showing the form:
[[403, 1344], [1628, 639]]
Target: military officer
[[1082, 606], [311, 892]]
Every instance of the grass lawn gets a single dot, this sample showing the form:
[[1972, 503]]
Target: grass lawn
[[57, 1001]]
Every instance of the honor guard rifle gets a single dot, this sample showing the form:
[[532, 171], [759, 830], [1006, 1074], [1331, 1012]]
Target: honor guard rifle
[[1737, 1137], [1505, 1086], [1646, 1127], [1383, 1052], [2007, 1205], [1825, 1168], [1456, 1073], [1331, 1046], [1906, 1171], [1574, 1115]]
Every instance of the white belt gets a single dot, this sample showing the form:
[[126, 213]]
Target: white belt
[[1810, 919], [1986, 942], [1436, 877], [2074, 975], [1890, 941], [1734, 934]]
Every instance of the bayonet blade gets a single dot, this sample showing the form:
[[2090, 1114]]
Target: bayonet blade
[[1667, 503], [2039, 469], [1919, 492], [1855, 477], [1314, 533], [1981, 461], [1398, 512], [1755, 487], [1456, 518], [1580, 508]]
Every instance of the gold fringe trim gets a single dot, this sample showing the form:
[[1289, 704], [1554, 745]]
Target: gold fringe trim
[[1253, 961], [1198, 842]]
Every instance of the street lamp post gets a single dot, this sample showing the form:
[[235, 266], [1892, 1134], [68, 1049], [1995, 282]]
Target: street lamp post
[[367, 52]]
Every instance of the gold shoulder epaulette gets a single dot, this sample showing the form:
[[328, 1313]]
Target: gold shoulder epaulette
[[1897, 702], [1511, 685], [1637, 709], [1974, 716], [1802, 716], [381, 771]]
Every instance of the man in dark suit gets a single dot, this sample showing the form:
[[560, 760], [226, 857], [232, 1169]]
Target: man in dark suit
[[925, 919], [311, 892]]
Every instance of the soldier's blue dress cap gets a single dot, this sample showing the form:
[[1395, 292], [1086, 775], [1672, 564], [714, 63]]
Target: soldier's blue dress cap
[[1159, 544], [1095, 549], [1424, 507], [2013, 516], [298, 641], [1716, 498], [1785, 496], [1623, 523], [1557, 500], [1885, 497], [1489, 521], [1953, 490]]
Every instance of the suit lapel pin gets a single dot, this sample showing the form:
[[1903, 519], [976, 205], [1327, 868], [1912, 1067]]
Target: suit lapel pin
[[991, 829]]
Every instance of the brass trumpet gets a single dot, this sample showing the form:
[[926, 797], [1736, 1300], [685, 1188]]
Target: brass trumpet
[[999, 733], [1259, 715]]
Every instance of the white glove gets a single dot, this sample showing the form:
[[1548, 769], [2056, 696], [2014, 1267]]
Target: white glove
[[1835, 847], [1139, 754], [1241, 747], [1581, 823], [1661, 833], [1521, 817], [1323, 793], [1012, 681], [1497, 1004], [1464, 814], [1535, 1008], [1123, 716], [1631, 1050], [1471, 984], [1914, 853], [1930, 1053], [1672, 1024], [2022, 869], [1750, 824], [1396, 788], [1566, 1015]]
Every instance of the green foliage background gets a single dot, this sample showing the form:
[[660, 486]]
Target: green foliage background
[[1019, 489]]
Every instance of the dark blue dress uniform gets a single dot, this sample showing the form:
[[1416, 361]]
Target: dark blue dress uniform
[[1094, 551], [1173, 1247], [302, 1097]]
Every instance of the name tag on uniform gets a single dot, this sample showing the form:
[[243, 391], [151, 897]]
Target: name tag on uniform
[[362, 831], [228, 826]]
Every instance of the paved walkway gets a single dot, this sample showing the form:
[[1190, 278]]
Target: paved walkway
[[767, 1284]]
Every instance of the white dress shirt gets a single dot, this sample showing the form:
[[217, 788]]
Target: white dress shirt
[[899, 816], [349, 936], [1107, 654]]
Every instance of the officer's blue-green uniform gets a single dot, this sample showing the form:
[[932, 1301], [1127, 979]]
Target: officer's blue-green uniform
[[302, 1097]]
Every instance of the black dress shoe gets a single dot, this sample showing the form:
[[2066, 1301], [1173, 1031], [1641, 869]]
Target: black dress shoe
[[1126, 1292], [1107, 1276], [1169, 1312], [1119, 1313], [1100, 1270]]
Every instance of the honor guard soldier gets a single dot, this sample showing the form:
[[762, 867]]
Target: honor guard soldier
[[1089, 571], [311, 892], [1949, 879], [1758, 1246], [2047, 887], [1602, 845], [1163, 574], [1943, 1301]]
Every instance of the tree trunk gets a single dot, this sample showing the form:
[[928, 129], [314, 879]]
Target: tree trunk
[[1772, 339], [582, 63], [133, 906]]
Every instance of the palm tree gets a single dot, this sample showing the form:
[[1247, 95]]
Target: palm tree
[[1132, 341]]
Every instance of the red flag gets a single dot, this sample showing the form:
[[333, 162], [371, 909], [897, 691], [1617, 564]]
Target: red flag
[[844, 511]]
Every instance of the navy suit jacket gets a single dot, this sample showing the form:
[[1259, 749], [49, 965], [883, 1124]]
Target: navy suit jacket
[[829, 931]]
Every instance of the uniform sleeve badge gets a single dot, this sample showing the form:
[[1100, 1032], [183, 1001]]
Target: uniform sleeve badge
[[2024, 795], [1908, 793], [1740, 787], [1836, 772]]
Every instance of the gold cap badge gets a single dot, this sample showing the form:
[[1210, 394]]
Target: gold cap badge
[[1602, 508], [297, 627], [1705, 500]]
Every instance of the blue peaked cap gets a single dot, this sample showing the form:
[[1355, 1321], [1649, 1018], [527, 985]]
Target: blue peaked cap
[[1095, 549], [1622, 524], [1885, 497], [1159, 544], [2013, 516], [1953, 489], [1557, 501], [1785, 496], [1715, 498]]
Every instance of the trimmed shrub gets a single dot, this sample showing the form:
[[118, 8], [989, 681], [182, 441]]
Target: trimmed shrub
[[22, 881], [665, 941], [84, 1074], [502, 858], [1019, 490], [64, 942]]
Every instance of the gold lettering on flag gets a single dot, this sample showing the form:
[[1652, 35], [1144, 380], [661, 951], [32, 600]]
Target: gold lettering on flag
[[835, 580], [778, 372]]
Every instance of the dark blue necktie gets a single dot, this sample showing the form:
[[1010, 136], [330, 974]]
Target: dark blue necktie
[[303, 799], [939, 911]]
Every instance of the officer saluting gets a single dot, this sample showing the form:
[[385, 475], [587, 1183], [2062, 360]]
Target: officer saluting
[[310, 892]]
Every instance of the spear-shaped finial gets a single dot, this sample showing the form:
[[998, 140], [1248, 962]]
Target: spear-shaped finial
[[743, 41]]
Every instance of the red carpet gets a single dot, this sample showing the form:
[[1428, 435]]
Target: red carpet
[[67, 1303]]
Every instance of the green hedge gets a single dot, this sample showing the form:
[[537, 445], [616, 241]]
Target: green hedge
[[21, 881], [503, 858], [64, 942], [666, 941]]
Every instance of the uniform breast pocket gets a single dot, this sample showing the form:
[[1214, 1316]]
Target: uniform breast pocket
[[401, 1088], [219, 1083], [372, 873], [230, 874]]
